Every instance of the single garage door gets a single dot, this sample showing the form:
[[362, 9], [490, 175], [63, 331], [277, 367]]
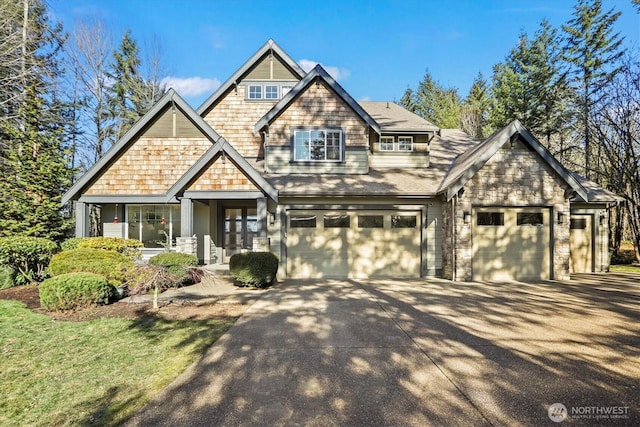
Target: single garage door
[[511, 244], [353, 244]]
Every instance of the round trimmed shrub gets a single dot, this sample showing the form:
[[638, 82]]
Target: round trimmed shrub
[[28, 256], [7, 275], [109, 264], [74, 290], [254, 268], [178, 264]]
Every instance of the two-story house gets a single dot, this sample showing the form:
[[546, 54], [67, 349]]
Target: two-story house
[[285, 160]]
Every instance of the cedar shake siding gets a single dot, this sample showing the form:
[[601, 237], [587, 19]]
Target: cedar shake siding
[[222, 177]]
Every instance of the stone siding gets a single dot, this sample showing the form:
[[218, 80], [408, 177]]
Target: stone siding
[[513, 177]]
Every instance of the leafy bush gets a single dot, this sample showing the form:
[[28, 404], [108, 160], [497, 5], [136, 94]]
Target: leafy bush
[[109, 264], [72, 243], [7, 275], [128, 247], [169, 259], [74, 290], [179, 265], [254, 268], [28, 256]]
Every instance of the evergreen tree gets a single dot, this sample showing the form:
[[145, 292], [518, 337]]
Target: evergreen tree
[[435, 103], [33, 160], [593, 50], [474, 112]]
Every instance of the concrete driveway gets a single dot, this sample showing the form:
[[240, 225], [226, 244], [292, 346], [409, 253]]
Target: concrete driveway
[[420, 352]]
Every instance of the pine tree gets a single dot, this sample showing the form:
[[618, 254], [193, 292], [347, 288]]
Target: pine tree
[[435, 103], [474, 113], [593, 50]]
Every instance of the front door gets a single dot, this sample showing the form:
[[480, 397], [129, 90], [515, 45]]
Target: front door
[[240, 227], [580, 244]]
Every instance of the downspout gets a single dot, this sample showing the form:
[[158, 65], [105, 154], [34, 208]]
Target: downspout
[[453, 237], [265, 135]]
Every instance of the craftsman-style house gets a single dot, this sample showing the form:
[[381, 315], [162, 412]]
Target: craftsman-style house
[[284, 160]]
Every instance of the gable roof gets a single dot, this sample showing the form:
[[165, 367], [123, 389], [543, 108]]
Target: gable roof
[[170, 98], [269, 46], [319, 73], [465, 166], [393, 118]]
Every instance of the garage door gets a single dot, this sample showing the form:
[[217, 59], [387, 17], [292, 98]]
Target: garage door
[[353, 244], [511, 244]]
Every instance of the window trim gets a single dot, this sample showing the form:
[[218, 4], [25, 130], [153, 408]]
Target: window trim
[[326, 130], [387, 137], [406, 139], [266, 92], [249, 94]]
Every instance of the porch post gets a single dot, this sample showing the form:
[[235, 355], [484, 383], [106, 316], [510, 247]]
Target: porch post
[[81, 219], [186, 217], [262, 216]]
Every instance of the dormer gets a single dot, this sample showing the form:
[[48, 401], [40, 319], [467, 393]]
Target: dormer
[[404, 137]]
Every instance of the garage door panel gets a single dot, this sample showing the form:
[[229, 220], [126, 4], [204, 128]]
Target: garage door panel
[[513, 244], [367, 248]]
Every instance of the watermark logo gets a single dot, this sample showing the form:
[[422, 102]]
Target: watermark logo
[[557, 412]]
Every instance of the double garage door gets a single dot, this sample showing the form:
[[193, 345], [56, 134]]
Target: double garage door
[[511, 244], [353, 244]]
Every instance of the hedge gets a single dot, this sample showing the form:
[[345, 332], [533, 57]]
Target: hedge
[[73, 290], [254, 268], [72, 243], [109, 264], [28, 256], [128, 247]]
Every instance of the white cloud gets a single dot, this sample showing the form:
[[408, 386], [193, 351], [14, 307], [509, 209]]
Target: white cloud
[[191, 86], [335, 72]]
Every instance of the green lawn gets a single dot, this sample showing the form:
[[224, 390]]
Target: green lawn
[[98, 372], [624, 268]]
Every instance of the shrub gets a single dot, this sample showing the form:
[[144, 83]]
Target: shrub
[[74, 290], [254, 268], [128, 247], [72, 243], [178, 265], [143, 278], [28, 256], [109, 264], [7, 276]]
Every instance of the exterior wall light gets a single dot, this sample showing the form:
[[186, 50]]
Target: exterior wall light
[[466, 217], [560, 218]]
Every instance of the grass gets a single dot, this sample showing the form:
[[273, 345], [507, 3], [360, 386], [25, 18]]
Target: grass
[[624, 268], [98, 372]]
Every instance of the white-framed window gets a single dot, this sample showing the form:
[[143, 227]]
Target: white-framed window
[[318, 145], [386, 143], [405, 143], [271, 92], [255, 92], [154, 225]]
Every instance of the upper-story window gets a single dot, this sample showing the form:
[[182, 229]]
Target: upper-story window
[[271, 92], [255, 92], [318, 145], [405, 143], [285, 89], [386, 143]]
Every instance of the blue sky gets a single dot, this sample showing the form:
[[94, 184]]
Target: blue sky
[[375, 49]]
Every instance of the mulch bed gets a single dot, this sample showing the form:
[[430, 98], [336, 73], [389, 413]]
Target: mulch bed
[[174, 311]]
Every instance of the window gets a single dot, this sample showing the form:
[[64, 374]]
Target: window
[[337, 221], [317, 145], [153, 225], [370, 221], [578, 224], [529, 218], [271, 92], [405, 143], [255, 92], [493, 219], [386, 143], [403, 221], [285, 90], [302, 221]]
